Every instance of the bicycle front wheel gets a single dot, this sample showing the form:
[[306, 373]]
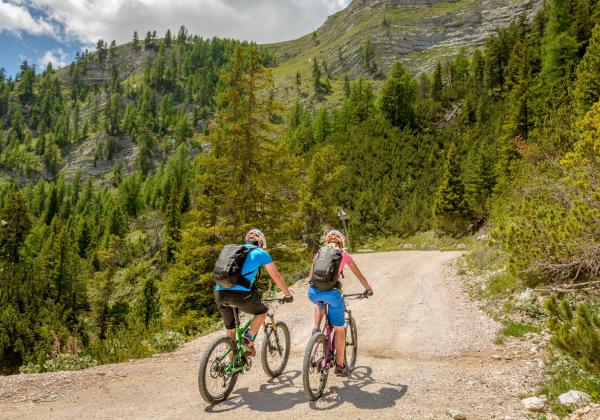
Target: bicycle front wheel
[[214, 383], [351, 343], [314, 367], [275, 349]]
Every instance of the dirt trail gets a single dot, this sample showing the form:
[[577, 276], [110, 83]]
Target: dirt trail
[[423, 349]]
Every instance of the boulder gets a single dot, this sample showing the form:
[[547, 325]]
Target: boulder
[[535, 404], [574, 399]]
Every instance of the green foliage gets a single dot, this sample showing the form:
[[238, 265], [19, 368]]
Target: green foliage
[[397, 97], [565, 374], [59, 363], [553, 233], [246, 179], [450, 209], [517, 329], [167, 341], [587, 85], [576, 332]]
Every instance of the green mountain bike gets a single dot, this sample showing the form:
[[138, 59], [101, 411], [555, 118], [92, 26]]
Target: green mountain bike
[[224, 359]]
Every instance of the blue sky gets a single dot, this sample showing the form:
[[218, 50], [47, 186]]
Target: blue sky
[[42, 31]]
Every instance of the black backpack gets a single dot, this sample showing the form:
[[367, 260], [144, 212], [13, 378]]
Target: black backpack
[[326, 266], [228, 268]]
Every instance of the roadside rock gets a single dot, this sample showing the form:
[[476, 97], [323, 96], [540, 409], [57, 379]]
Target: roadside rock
[[457, 415], [535, 404], [591, 412], [574, 399], [526, 295]]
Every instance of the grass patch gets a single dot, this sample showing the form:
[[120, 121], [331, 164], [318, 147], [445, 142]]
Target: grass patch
[[501, 284], [564, 375], [423, 241], [518, 329]]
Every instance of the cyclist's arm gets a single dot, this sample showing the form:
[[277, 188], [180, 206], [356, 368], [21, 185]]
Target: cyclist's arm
[[359, 275], [276, 276]]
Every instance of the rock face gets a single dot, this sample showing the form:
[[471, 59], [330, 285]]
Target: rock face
[[574, 399], [416, 32]]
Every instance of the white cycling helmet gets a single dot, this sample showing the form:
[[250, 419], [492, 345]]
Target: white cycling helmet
[[258, 235], [337, 236]]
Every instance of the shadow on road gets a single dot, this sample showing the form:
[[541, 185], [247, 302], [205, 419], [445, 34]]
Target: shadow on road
[[352, 392], [270, 398], [267, 398]]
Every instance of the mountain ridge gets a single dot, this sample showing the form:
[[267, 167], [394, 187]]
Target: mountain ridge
[[418, 33]]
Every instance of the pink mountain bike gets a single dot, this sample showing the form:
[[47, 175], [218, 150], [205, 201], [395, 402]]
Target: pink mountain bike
[[319, 356]]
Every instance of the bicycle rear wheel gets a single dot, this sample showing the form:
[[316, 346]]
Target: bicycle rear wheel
[[275, 349], [214, 383], [314, 367], [351, 343]]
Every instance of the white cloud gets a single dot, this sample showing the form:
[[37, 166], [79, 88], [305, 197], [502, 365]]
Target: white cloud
[[15, 18], [257, 20], [57, 57]]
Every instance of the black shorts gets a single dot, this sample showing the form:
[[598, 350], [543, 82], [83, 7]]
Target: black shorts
[[248, 302]]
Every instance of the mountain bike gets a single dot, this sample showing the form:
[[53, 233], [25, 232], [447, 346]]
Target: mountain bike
[[224, 359], [319, 355]]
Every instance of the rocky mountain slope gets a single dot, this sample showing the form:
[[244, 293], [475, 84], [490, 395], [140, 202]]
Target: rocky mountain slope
[[416, 32]]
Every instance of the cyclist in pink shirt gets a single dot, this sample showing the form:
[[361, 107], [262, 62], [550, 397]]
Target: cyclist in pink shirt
[[334, 298]]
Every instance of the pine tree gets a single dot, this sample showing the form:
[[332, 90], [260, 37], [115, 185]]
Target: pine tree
[[587, 85], [368, 57], [396, 100], [317, 83], [346, 86], [148, 304], [136, 41], [437, 84], [450, 209], [105, 285], [172, 223], [168, 38], [298, 80], [247, 179], [15, 223]]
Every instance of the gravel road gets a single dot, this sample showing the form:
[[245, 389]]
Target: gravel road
[[424, 349]]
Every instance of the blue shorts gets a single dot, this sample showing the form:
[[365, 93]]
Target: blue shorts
[[334, 299]]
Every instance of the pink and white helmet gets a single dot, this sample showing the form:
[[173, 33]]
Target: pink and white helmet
[[337, 236]]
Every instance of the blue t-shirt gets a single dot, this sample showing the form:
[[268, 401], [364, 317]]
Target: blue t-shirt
[[256, 258]]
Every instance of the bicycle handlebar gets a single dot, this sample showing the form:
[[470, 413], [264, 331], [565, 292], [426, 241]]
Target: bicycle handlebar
[[357, 295], [278, 300]]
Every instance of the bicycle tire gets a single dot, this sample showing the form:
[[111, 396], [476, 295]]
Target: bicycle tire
[[316, 340], [202, 370], [266, 349], [351, 343]]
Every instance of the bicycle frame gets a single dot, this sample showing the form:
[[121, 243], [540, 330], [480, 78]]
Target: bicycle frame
[[239, 353], [239, 339], [329, 333]]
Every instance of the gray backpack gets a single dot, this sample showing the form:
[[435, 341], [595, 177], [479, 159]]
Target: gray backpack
[[326, 267], [228, 268]]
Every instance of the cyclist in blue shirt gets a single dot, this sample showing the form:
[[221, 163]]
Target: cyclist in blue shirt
[[247, 299]]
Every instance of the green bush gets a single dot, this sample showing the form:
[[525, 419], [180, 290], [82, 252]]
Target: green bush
[[60, 362], [553, 233], [121, 346], [167, 341], [576, 332]]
